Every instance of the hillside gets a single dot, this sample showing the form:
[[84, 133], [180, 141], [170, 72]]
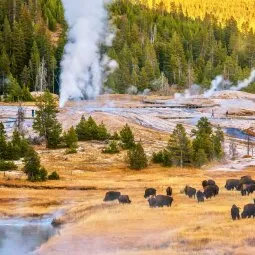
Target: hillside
[[150, 43], [242, 11], [28, 45]]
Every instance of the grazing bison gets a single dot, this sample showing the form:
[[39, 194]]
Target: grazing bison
[[149, 192], [111, 196], [232, 184], [189, 191], [200, 196], [124, 199], [235, 214], [245, 180], [211, 191], [211, 182], [247, 189], [169, 191], [248, 211], [204, 183], [160, 201]]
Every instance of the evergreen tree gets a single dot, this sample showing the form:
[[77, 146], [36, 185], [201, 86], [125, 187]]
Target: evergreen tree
[[137, 158], [127, 137], [46, 123], [33, 167], [112, 148], [71, 139], [180, 146]]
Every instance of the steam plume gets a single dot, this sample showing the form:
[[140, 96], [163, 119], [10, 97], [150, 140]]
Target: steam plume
[[245, 83], [83, 67]]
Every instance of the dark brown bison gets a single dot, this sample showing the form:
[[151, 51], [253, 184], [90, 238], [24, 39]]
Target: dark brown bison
[[200, 196], [169, 191], [204, 183], [124, 199], [149, 192], [208, 182], [248, 211], [235, 214], [245, 180], [211, 191], [211, 182], [232, 184], [189, 191], [160, 201], [247, 189], [111, 196]]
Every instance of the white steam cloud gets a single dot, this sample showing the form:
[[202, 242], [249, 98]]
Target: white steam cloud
[[245, 83], [218, 84], [83, 69]]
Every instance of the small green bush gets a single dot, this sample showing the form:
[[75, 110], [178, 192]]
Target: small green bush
[[112, 148], [54, 176]]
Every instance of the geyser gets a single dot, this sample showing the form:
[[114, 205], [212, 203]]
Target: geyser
[[83, 67]]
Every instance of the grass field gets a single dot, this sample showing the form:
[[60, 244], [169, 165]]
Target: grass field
[[94, 227]]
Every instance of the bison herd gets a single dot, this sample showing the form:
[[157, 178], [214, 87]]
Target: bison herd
[[209, 189]]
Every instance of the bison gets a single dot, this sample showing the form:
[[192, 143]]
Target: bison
[[245, 180], [211, 182], [232, 184], [235, 214], [204, 183], [169, 191], [248, 211], [189, 191], [124, 199], [247, 189], [211, 191], [160, 201], [111, 196], [200, 196], [149, 192]]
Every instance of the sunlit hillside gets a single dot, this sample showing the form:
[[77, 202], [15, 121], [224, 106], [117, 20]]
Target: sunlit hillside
[[243, 11]]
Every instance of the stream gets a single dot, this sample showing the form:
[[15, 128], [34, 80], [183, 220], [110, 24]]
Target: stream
[[23, 236]]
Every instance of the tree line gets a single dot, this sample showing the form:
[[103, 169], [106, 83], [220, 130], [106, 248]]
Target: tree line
[[29, 59], [156, 48]]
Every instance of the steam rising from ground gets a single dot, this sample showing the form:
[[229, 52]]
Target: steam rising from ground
[[218, 84], [83, 67]]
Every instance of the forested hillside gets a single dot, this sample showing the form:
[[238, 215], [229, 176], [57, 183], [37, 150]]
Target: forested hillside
[[28, 57], [150, 42], [242, 11]]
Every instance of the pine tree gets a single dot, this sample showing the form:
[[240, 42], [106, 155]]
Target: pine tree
[[127, 137], [180, 146], [3, 143], [137, 158], [71, 140], [46, 123], [14, 89]]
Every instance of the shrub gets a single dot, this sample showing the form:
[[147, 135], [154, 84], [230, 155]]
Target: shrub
[[7, 165], [157, 158], [89, 130], [137, 158], [127, 137], [163, 157], [71, 139], [112, 148], [54, 176], [33, 167]]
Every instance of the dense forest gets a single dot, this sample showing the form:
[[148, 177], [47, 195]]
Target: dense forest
[[29, 51], [242, 11], [155, 47]]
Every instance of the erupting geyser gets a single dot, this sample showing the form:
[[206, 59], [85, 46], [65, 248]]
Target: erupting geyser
[[83, 67]]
